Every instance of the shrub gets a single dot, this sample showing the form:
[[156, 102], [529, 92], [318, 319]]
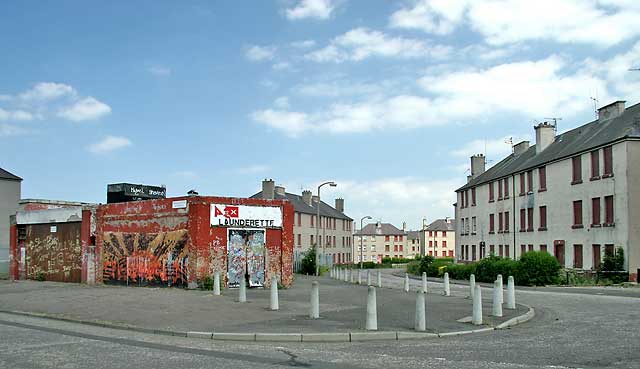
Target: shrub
[[413, 267], [369, 265], [461, 271], [386, 260], [207, 284], [612, 267], [438, 267], [487, 270], [537, 268], [308, 264], [40, 276]]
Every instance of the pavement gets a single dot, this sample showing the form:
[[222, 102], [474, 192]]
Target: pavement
[[342, 307]]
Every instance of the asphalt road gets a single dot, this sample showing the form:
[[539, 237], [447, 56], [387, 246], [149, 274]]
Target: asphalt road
[[570, 330]]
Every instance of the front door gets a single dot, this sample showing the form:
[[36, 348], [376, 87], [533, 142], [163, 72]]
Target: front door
[[246, 257]]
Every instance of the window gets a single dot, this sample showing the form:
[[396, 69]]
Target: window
[[559, 252], [506, 251], [608, 249], [521, 184], [473, 196], [490, 191], [386, 248], [435, 243], [577, 214], [436, 253], [595, 212], [506, 221], [444, 233], [473, 252], [543, 248], [530, 248], [466, 197], [499, 189], [577, 256], [466, 252], [595, 165], [543, 218], [430, 243], [576, 165], [506, 188], [395, 248], [596, 256], [608, 211], [299, 240], [444, 244], [312, 219], [386, 238], [311, 240], [461, 200], [523, 249], [530, 220], [500, 252], [492, 249], [491, 225], [542, 178], [523, 220], [395, 238], [500, 224], [401, 248], [608, 162], [530, 181], [400, 238], [473, 223]]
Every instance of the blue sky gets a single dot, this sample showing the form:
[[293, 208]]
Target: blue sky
[[387, 98]]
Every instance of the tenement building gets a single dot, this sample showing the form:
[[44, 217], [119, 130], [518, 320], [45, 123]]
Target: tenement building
[[381, 240], [334, 227], [439, 238], [574, 195]]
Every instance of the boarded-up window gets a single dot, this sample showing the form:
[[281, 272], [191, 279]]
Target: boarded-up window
[[530, 219], [576, 165], [608, 210], [595, 211], [577, 256], [499, 190], [596, 256], [523, 220], [506, 221], [577, 213], [542, 177], [500, 224], [506, 187], [473, 196], [595, 164], [543, 248], [491, 223], [543, 218], [530, 181], [608, 161], [521, 183], [490, 191]]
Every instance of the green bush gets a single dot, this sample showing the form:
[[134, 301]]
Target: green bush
[[537, 268], [308, 264], [413, 267], [207, 284], [461, 271], [487, 269], [612, 267], [386, 260], [40, 276]]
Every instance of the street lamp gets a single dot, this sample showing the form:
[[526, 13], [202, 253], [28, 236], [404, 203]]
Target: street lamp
[[363, 218], [332, 184]]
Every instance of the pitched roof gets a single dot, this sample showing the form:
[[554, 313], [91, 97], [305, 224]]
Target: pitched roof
[[442, 225], [413, 235], [6, 175], [570, 143], [372, 229], [300, 206]]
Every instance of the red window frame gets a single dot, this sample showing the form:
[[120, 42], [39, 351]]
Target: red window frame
[[608, 211], [542, 178], [506, 188], [529, 219], [577, 214], [595, 254], [491, 195], [595, 164], [577, 256], [491, 223], [506, 221], [523, 220], [595, 212], [608, 161], [529, 181], [543, 218], [576, 169]]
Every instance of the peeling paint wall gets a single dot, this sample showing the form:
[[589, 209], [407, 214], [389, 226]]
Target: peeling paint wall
[[58, 255]]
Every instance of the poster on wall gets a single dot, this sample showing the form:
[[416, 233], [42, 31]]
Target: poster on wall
[[246, 257], [240, 216]]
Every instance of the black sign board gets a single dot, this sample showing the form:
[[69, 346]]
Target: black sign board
[[122, 192]]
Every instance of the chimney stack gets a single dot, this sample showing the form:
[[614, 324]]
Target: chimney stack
[[279, 190], [545, 135], [521, 147], [613, 110], [404, 226], [314, 199], [268, 189], [306, 197], [477, 165], [340, 205]]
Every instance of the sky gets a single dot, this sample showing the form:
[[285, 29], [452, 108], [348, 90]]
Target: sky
[[386, 98]]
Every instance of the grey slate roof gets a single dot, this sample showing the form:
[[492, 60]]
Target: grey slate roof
[[413, 235], [300, 206], [578, 140], [385, 229], [6, 175], [442, 225]]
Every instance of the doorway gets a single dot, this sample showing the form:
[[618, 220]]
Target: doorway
[[246, 256]]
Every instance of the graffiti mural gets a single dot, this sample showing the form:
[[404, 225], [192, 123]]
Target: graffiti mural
[[245, 256], [145, 258], [52, 252]]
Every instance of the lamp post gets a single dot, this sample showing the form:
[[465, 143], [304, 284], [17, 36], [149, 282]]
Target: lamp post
[[332, 184], [361, 220]]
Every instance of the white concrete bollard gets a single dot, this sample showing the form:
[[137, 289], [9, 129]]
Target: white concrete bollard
[[331, 273], [379, 280], [447, 289], [472, 285], [406, 282], [216, 283], [372, 313], [352, 278], [420, 324], [315, 301], [501, 295], [368, 277], [242, 291], [424, 282], [496, 310], [359, 276], [511, 293], [476, 318], [273, 303]]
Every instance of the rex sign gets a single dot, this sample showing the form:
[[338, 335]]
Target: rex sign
[[223, 215]]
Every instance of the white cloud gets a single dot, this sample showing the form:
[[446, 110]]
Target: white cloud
[[15, 115], [260, 53], [599, 22], [48, 91], [87, 108], [616, 72], [253, 169], [318, 9], [282, 102], [159, 71], [303, 44], [342, 88], [109, 144], [281, 65], [291, 123], [493, 148], [11, 130], [361, 43]]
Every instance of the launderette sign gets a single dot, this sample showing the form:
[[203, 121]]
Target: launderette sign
[[223, 215]]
